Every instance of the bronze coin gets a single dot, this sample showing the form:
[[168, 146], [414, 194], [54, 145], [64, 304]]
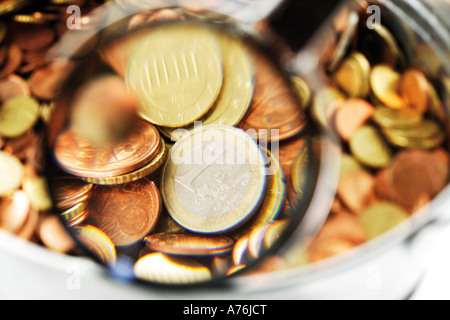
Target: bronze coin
[[13, 61], [414, 89], [69, 191], [14, 211], [189, 244], [415, 174], [351, 116], [54, 235], [125, 213], [274, 106], [46, 81], [356, 190], [79, 157], [13, 86]]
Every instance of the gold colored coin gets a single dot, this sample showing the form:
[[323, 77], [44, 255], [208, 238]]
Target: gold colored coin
[[11, 173], [76, 215], [161, 268], [189, 244], [214, 179], [237, 90], [381, 217], [303, 91], [39, 194], [97, 243], [370, 148], [427, 135], [353, 76], [385, 83], [393, 118], [176, 74], [18, 115], [349, 165], [140, 173]]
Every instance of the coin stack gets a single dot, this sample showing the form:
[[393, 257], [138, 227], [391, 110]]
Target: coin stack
[[391, 123], [196, 173], [27, 84]]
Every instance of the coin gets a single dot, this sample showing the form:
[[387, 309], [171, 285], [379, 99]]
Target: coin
[[396, 118], [414, 89], [381, 217], [14, 210], [214, 179], [427, 135], [351, 116], [75, 215], [240, 251], [274, 232], [344, 225], [323, 98], [54, 235], [237, 90], [103, 110], [303, 91], [97, 242], [288, 152], [415, 173], [353, 75], [256, 241], [327, 248], [385, 82], [127, 212], [161, 268], [189, 244], [370, 148], [38, 192], [13, 61], [356, 190], [274, 107], [176, 74], [32, 37], [68, 191], [30, 226], [46, 81], [11, 173], [17, 116], [140, 173], [298, 179], [79, 157], [348, 165], [13, 86]]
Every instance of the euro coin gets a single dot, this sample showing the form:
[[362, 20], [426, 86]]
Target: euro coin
[[18, 115], [97, 242], [80, 157], [176, 74], [370, 148], [11, 173], [189, 244], [214, 179], [385, 83]]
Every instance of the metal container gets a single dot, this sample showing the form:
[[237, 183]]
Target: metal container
[[388, 267]]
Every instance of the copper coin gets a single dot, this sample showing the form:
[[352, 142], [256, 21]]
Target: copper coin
[[414, 89], [351, 116], [13, 86], [289, 151], [274, 106], [32, 37], [79, 157], [125, 213], [46, 81], [326, 248], [414, 174], [343, 225], [30, 226], [14, 210], [356, 190], [13, 61], [69, 191], [189, 244], [54, 235]]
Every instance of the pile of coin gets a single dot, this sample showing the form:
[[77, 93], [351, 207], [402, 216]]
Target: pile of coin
[[391, 123], [27, 82], [201, 169]]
